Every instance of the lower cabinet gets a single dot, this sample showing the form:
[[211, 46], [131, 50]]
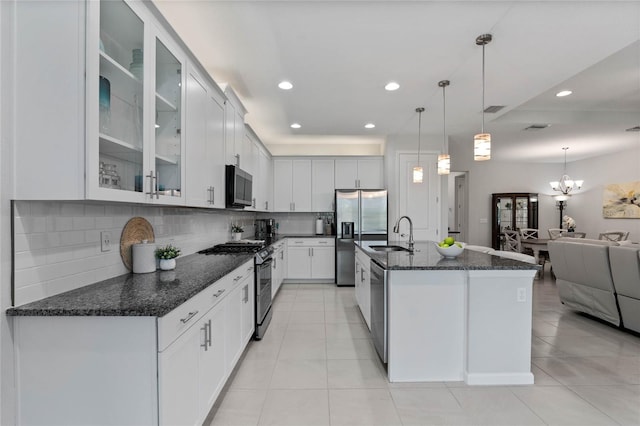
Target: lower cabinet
[[363, 285], [279, 267], [311, 258], [191, 370], [134, 370]]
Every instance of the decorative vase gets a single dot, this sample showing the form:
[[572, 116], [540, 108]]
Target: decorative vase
[[237, 236], [167, 264]]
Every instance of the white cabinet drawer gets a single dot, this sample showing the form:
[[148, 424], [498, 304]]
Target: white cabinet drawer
[[311, 242], [240, 273], [176, 322]]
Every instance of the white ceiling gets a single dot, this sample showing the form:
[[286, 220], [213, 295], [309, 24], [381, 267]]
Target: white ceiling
[[340, 54]]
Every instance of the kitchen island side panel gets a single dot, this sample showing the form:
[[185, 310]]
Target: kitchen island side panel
[[499, 327], [427, 317], [82, 370]]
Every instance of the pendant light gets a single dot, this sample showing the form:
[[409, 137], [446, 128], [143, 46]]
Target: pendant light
[[444, 159], [482, 141], [417, 170]]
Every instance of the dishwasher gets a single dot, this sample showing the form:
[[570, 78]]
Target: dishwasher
[[379, 310]]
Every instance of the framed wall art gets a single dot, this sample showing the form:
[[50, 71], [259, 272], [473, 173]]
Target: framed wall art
[[621, 201]]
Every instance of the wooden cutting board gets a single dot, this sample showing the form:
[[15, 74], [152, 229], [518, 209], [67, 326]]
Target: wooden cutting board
[[136, 230]]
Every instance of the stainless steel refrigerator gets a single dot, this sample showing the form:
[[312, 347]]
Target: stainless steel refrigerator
[[361, 215]]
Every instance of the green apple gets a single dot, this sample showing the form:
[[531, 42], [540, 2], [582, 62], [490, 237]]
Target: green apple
[[449, 240]]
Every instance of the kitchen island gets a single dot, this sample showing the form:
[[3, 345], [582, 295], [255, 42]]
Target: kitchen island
[[465, 319]]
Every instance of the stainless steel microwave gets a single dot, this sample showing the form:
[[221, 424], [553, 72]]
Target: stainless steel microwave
[[238, 187]]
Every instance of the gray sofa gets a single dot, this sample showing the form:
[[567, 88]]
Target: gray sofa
[[583, 276], [625, 269]]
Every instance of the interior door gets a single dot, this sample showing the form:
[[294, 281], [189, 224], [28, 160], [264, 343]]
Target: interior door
[[419, 201]]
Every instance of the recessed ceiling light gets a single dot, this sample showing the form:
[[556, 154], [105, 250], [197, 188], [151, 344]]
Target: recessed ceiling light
[[295, 126], [564, 93], [369, 126], [391, 86], [285, 85]]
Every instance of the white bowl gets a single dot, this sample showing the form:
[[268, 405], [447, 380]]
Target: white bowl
[[450, 252]]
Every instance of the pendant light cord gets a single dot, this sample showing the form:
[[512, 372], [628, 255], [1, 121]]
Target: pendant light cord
[[483, 87], [444, 120], [419, 110]]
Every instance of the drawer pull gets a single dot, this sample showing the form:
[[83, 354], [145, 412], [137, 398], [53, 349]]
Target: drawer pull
[[239, 277], [219, 292], [188, 317], [323, 242]]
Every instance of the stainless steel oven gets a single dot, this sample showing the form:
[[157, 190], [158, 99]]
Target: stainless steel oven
[[262, 261], [263, 291]]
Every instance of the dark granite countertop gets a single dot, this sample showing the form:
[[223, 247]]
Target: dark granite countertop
[[154, 294], [426, 257]]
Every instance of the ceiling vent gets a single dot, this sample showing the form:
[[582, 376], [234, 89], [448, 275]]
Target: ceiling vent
[[537, 127], [633, 129], [493, 109]]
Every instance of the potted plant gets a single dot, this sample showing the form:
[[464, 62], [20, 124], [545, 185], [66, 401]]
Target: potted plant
[[167, 256], [236, 231]]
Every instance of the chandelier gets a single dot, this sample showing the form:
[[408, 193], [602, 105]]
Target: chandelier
[[565, 185]]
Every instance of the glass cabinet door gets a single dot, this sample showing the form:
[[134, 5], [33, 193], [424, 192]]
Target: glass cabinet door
[[120, 97], [522, 212], [168, 138]]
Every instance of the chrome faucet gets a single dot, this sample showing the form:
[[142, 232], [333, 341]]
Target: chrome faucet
[[396, 229]]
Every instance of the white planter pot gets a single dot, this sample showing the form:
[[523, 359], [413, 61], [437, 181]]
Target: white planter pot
[[237, 236], [167, 264]]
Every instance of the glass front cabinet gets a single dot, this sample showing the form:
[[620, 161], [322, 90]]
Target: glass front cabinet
[[135, 81], [512, 211]]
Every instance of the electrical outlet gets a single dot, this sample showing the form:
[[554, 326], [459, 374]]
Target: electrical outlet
[[105, 241], [522, 295]]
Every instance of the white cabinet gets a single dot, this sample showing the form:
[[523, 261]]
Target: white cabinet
[[365, 173], [204, 139], [279, 267], [322, 185], [234, 128], [237, 321], [363, 284], [265, 184], [257, 162], [292, 185], [311, 258], [135, 113]]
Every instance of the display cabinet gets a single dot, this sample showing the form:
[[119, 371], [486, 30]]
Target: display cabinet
[[512, 211], [135, 107]]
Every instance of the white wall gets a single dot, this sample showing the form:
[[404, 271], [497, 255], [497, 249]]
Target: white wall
[[7, 390], [585, 206]]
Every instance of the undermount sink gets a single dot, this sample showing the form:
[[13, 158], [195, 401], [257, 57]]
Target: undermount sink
[[388, 248]]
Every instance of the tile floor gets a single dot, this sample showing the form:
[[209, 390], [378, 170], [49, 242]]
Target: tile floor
[[317, 366]]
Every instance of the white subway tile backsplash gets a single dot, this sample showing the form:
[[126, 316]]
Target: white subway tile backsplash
[[84, 223], [57, 244], [71, 209], [71, 238]]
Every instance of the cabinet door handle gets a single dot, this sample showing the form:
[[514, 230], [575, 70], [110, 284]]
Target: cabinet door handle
[[206, 340], [245, 289], [237, 160], [282, 255], [266, 205], [151, 178], [253, 203], [157, 178], [188, 317], [361, 275]]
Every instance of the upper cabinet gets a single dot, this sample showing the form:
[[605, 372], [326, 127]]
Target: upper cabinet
[[365, 173], [322, 185], [292, 185], [204, 139], [135, 83], [234, 129]]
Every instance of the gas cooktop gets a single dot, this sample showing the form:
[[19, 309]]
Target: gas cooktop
[[246, 246]]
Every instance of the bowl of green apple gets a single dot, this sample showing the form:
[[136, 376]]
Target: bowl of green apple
[[449, 248]]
